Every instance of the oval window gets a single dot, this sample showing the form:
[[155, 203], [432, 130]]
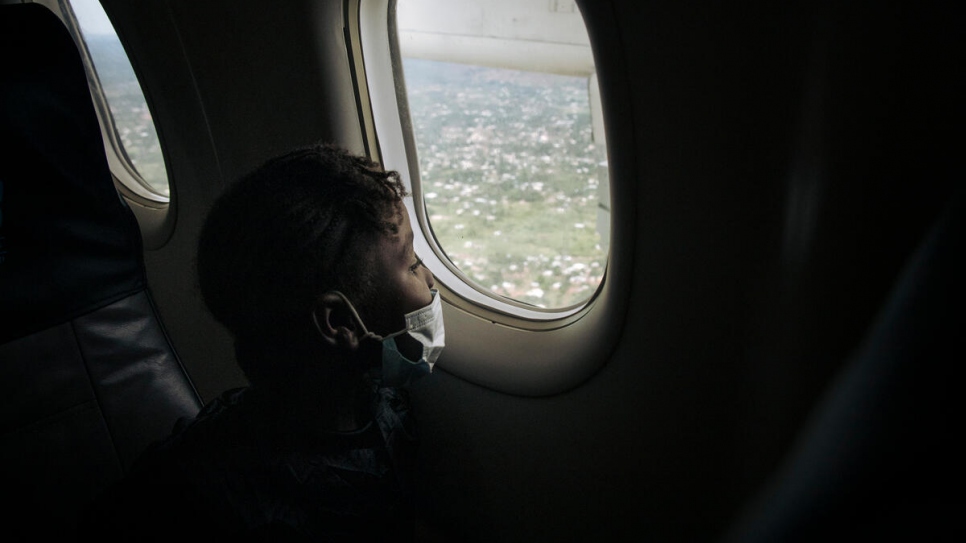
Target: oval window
[[512, 164]]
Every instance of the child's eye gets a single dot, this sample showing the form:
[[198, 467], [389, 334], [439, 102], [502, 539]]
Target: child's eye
[[414, 267]]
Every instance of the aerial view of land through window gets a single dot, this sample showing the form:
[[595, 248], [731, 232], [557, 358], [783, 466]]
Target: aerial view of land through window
[[509, 173], [132, 119]]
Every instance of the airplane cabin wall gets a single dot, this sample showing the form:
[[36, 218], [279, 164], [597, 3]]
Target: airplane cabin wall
[[766, 150]]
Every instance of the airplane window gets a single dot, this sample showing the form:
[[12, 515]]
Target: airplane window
[[512, 167], [131, 139]]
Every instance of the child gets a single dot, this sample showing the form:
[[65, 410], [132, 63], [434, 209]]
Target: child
[[309, 263]]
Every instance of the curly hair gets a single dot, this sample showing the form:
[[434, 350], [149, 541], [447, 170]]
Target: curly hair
[[287, 232]]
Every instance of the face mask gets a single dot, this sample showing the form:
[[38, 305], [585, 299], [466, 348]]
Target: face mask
[[425, 325]]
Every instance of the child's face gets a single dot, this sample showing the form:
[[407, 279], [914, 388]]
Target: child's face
[[403, 282]]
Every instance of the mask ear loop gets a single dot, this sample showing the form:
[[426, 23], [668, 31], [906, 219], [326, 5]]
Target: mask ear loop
[[355, 314]]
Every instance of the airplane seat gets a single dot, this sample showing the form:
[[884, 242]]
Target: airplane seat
[[87, 374], [882, 456]]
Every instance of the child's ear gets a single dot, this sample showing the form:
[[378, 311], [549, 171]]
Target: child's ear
[[335, 323]]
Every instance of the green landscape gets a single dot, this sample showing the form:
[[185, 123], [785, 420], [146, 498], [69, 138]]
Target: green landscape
[[510, 176]]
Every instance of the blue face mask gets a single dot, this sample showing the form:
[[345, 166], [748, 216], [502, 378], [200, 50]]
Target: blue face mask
[[425, 325]]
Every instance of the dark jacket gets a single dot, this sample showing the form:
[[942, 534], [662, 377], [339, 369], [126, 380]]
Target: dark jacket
[[244, 469]]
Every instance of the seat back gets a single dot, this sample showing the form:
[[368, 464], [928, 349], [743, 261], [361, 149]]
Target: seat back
[[87, 374], [881, 456]]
